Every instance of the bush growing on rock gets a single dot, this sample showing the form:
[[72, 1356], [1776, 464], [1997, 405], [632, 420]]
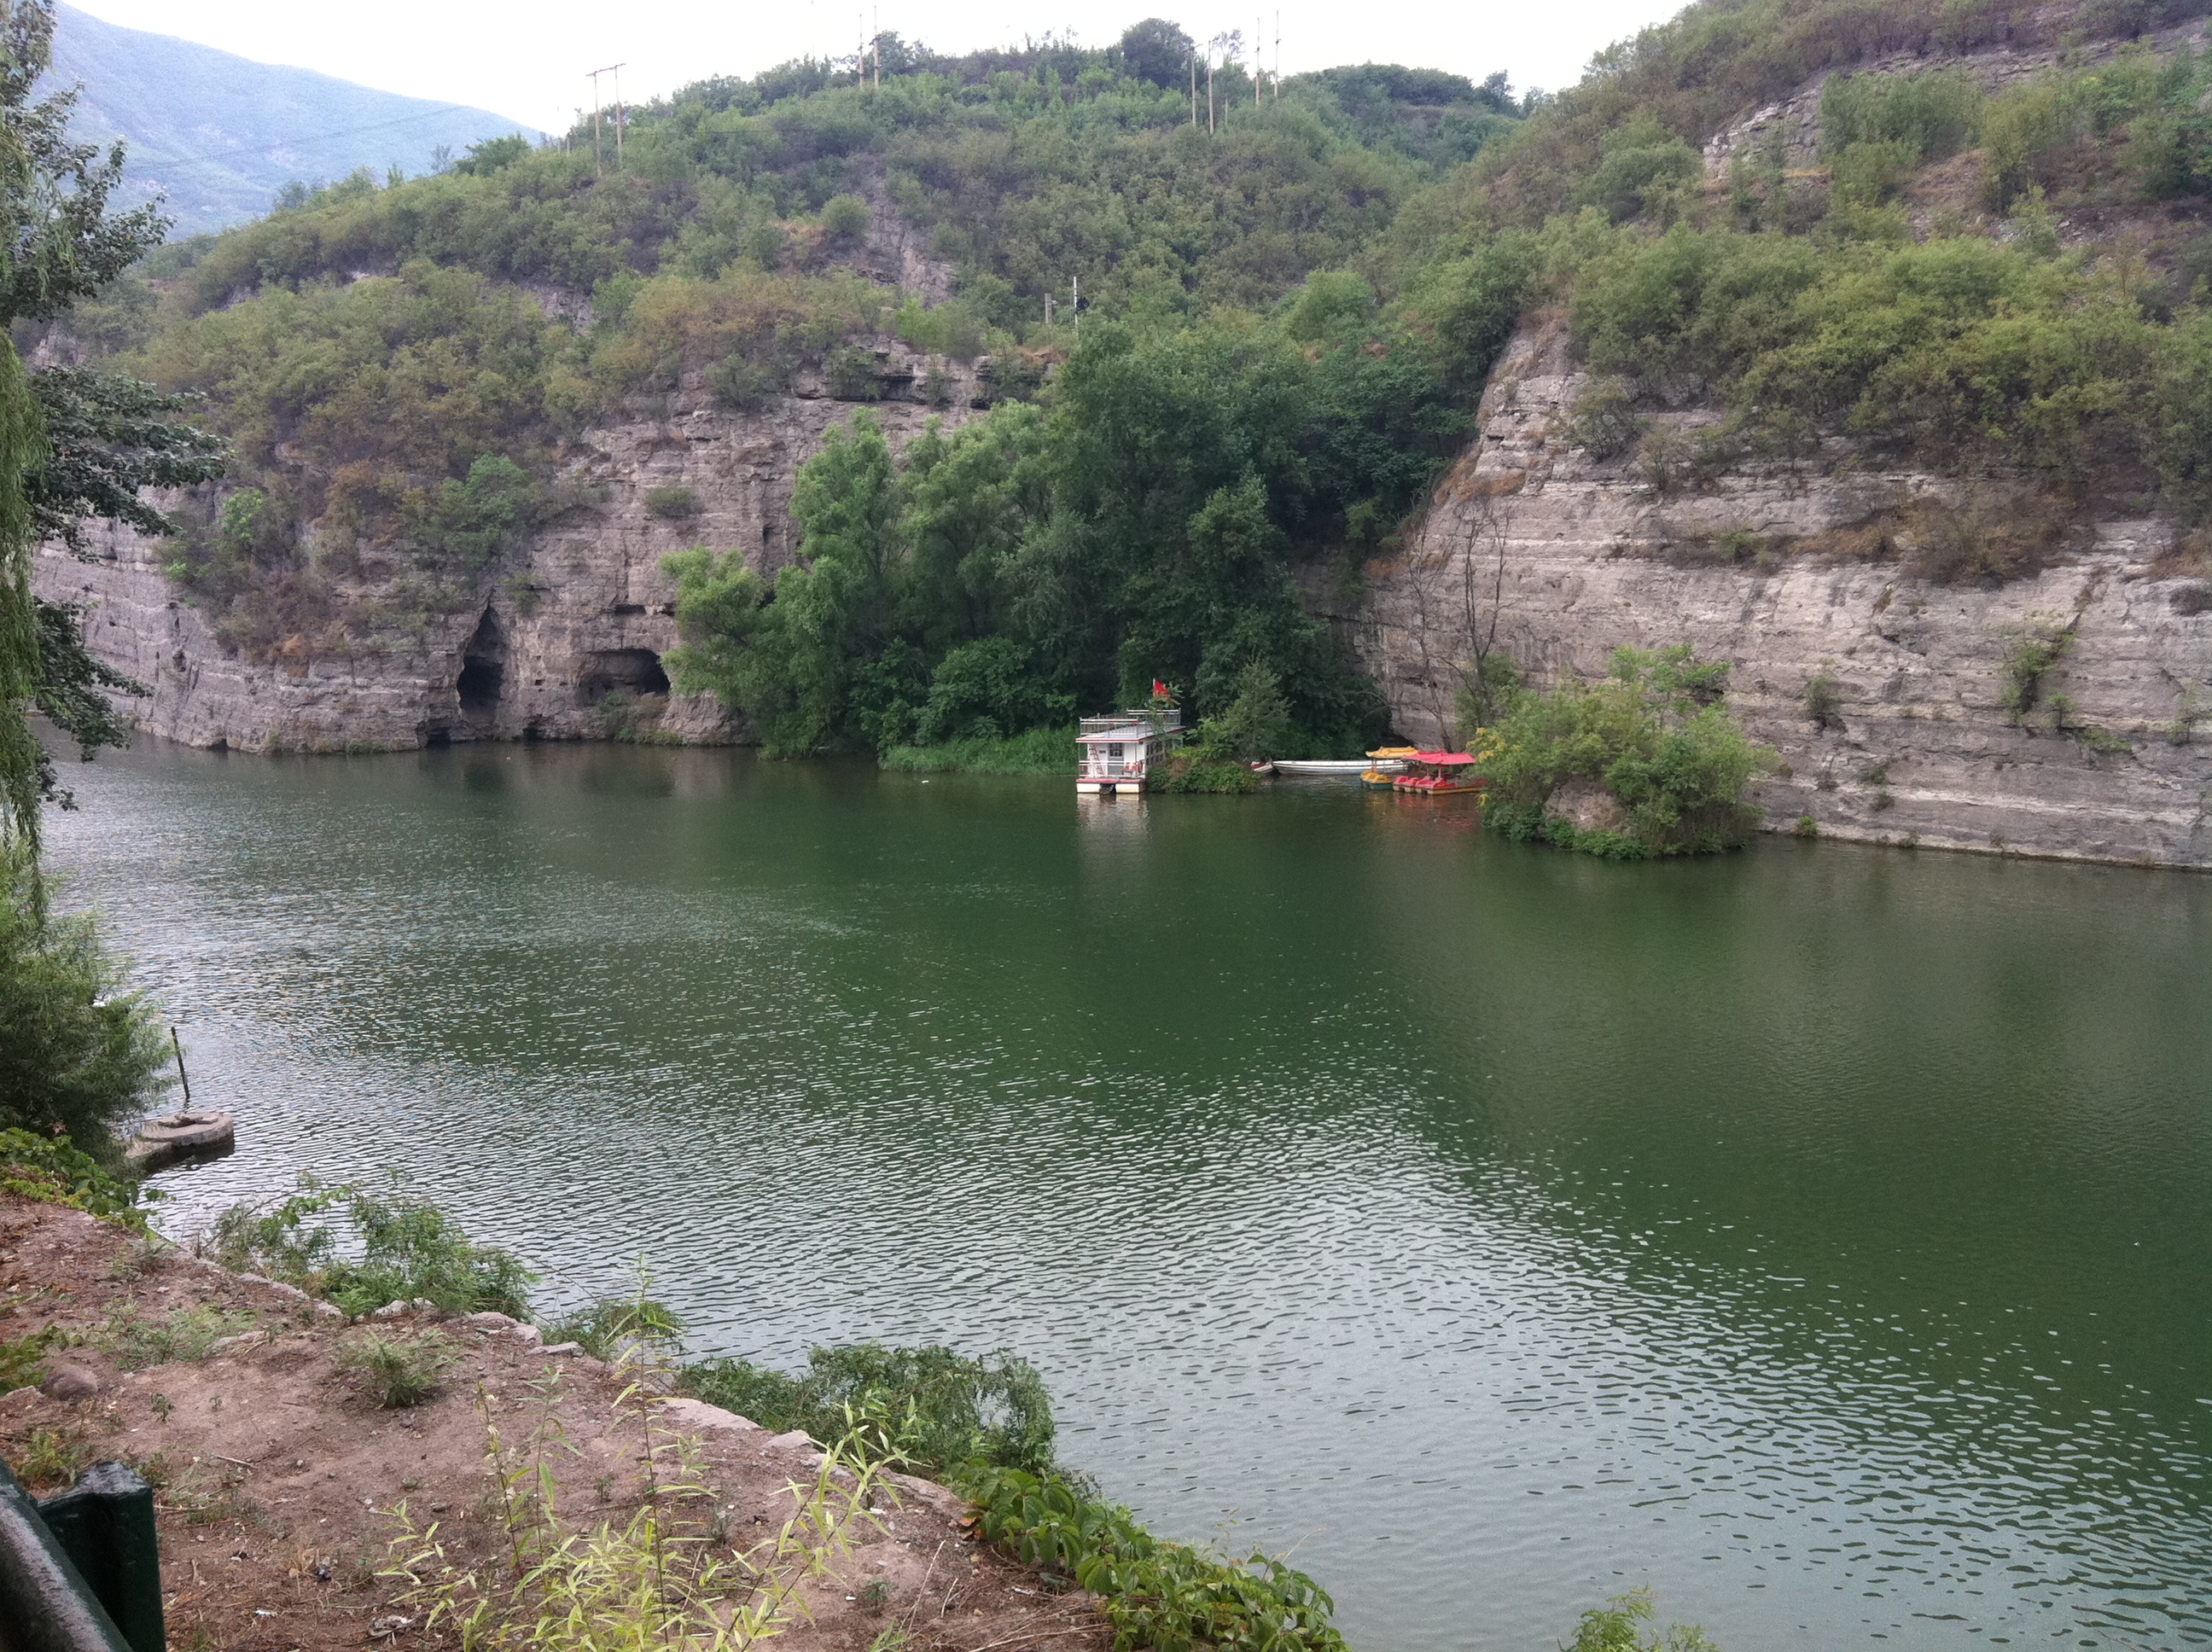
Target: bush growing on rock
[[1648, 761]]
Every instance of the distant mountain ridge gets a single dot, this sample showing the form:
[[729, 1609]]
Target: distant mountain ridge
[[221, 134]]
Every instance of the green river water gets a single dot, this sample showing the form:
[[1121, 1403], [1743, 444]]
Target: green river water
[[1821, 1236]]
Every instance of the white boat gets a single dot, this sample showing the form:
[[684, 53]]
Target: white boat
[[1328, 766]]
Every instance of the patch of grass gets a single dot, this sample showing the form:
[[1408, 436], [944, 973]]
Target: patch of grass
[[1040, 751], [52, 1457], [398, 1371], [673, 504], [133, 1341], [22, 1361], [138, 1259]]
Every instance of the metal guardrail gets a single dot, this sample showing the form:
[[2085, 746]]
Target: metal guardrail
[[81, 1571]]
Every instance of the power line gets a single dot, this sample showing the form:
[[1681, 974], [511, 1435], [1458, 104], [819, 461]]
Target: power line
[[320, 137]]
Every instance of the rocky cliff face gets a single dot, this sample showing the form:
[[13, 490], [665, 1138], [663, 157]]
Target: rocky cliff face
[[582, 613], [1884, 686]]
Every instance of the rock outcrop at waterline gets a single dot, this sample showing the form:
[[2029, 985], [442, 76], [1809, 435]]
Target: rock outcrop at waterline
[[582, 612], [1904, 707]]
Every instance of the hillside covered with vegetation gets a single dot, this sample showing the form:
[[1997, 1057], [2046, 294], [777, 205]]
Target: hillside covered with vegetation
[[1290, 294]]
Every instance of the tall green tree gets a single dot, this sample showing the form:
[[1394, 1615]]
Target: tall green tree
[[79, 1054], [59, 244]]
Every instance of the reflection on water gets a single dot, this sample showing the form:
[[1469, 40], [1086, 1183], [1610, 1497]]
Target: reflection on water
[[1818, 1235]]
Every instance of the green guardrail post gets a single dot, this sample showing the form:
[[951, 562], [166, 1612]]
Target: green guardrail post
[[45, 1604], [105, 1524]]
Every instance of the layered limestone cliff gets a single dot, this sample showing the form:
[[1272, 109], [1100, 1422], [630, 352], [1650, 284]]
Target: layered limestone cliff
[[1884, 685], [566, 642]]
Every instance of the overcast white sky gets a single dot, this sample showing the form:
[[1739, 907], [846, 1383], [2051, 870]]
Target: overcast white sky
[[527, 58]]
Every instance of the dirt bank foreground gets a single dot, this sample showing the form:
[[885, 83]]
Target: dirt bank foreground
[[277, 1473]]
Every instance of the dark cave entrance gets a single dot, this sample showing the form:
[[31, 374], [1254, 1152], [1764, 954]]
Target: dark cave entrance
[[636, 671], [483, 670]]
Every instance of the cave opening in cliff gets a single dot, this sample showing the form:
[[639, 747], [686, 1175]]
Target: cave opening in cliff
[[636, 671], [484, 670]]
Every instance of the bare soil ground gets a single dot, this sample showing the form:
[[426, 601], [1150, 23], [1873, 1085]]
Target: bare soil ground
[[274, 1471]]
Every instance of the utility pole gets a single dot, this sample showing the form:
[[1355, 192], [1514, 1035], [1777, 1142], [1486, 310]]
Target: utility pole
[[1279, 57], [1194, 88], [599, 148], [1076, 303], [618, 118], [1257, 77], [1209, 96]]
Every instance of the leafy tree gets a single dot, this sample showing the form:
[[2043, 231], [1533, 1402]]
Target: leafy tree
[[107, 439], [1255, 724], [845, 218], [79, 1053], [1158, 52], [493, 154], [467, 523], [61, 243], [72, 693]]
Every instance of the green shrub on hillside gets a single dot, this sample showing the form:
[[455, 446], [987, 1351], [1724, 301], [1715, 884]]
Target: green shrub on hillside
[[1932, 116], [1654, 734], [1956, 348]]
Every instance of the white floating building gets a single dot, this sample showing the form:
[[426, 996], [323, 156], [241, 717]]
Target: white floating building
[[1119, 751]]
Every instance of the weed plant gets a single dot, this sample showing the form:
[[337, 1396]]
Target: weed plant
[[667, 1577], [621, 1329], [1619, 1625], [409, 1248], [52, 1457], [2028, 660], [49, 1172], [22, 1359], [398, 1371], [941, 1409], [1168, 1597]]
